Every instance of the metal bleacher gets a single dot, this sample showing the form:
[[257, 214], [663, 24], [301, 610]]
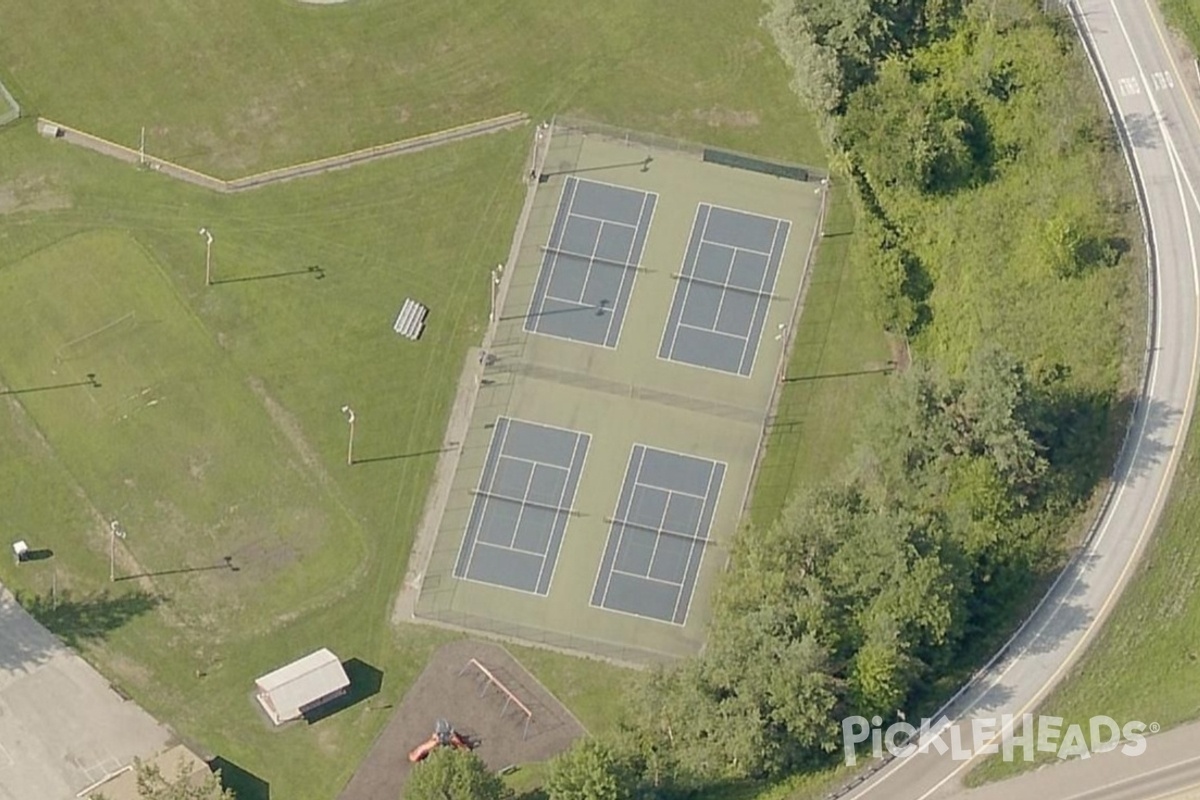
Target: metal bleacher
[[410, 322]]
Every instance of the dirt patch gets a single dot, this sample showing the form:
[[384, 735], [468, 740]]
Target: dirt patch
[[444, 690], [31, 194], [290, 428], [901, 357], [726, 118]]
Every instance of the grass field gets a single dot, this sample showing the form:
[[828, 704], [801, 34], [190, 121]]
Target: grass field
[[266, 362], [234, 87], [243, 454]]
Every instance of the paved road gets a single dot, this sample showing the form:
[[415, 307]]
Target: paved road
[[1168, 770], [1150, 91]]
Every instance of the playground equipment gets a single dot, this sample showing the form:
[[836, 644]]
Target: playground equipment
[[443, 736], [488, 679]]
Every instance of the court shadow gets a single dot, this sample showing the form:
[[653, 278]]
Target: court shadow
[[365, 682], [244, 785], [316, 271]]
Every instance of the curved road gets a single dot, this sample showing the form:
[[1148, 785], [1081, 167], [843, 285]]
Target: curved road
[[1149, 92]]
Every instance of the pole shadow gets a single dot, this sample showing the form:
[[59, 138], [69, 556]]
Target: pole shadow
[[881, 371], [227, 563], [90, 381], [317, 271], [399, 456], [644, 163]]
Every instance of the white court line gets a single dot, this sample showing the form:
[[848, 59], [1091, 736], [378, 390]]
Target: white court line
[[535, 462], [635, 266], [787, 232], [725, 283], [683, 267], [737, 248], [586, 440], [716, 499], [648, 577], [534, 311], [479, 488], [621, 534], [603, 220], [745, 213], [658, 530], [669, 490], [617, 505], [713, 331]]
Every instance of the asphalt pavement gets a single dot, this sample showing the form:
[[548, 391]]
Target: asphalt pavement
[[1151, 91]]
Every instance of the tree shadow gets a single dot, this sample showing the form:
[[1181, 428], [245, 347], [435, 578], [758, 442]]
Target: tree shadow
[[91, 618], [244, 785], [1142, 130], [365, 682]]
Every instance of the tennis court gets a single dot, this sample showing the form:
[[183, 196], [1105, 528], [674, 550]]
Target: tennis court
[[522, 505], [723, 289], [590, 262], [658, 533]]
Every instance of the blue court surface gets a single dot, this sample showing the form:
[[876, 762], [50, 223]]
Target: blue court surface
[[657, 535], [521, 508], [590, 262], [725, 285]]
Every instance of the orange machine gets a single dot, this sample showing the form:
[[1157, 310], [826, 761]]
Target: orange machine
[[443, 736]]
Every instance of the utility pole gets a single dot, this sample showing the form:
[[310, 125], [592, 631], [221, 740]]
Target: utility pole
[[208, 240], [495, 288], [349, 412], [114, 533], [142, 148]]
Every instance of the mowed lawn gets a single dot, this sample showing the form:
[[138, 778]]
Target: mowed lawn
[[169, 436], [237, 86], [217, 431]]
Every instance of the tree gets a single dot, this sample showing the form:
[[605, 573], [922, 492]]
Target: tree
[[153, 785], [450, 774], [590, 770]]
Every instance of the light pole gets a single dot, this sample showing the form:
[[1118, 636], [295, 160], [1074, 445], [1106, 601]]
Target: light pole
[[349, 412], [495, 286], [207, 234], [114, 533]]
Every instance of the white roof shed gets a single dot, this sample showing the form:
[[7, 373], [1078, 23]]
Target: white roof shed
[[290, 691]]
